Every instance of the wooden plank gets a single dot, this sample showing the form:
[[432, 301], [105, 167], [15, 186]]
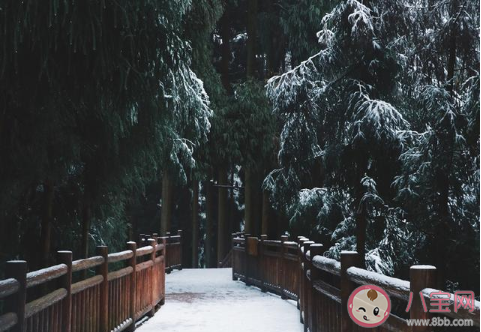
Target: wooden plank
[[144, 265], [328, 265], [65, 257], [16, 302], [44, 302], [8, 287], [103, 270], [38, 277], [8, 321], [87, 263], [252, 246], [396, 287], [327, 290], [461, 312], [144, 251], [87, 283], [120, 256], [119, 273]]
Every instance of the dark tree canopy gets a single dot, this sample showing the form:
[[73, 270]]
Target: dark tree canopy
[[355, 123]]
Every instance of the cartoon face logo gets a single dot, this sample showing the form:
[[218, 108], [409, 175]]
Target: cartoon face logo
[[369, 306]]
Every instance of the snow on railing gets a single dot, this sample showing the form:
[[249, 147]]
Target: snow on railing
[[106, 301], [322, 286]]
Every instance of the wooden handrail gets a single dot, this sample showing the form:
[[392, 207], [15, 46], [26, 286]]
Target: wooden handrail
[[396, 287], [38, 277], [8, 287], [461, 313], [86, 263], [111, 300], [323, 285]]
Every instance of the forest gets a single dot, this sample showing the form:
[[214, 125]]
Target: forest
[[352, 122]]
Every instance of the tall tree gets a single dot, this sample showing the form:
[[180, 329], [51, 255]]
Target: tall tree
[[376, 107], [88, 98]]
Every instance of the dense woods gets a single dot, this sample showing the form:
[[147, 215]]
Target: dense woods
[[355, 123]]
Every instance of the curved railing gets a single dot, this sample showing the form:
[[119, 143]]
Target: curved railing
[[322, 286]]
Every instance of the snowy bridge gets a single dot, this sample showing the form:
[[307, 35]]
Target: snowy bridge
[[208, 300], [274, 285]]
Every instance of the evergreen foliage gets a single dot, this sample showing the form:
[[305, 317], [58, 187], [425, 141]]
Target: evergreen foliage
[[386, 106]]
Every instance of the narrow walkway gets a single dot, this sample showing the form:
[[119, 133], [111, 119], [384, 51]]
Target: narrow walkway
[[208, 300]]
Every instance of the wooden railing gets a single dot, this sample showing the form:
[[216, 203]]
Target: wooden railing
[[322, 286], [173, 258], [107, 292]]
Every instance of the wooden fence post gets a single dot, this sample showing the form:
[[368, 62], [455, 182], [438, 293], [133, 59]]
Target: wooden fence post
[[348, 259], [16, 302], [167, 259], [133, 283], [305, 289], [103, 270], [421, 276], [284, 238], [316, 249], [299, 296], [246, 265], [153, 277], [179, 232], [65, 257], [234, 235], [261, 264], [164, 252]]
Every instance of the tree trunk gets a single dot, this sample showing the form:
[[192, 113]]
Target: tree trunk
[[266, 213], [225, 50], [86, 215], [360, 213], [251, 37], [249, 225], [253, 202], [222, 215], [184, 218], [442, 176], [257, 203], [195, 223], [209, 227], [167, 201], [361, 228], [452, 51], [45, 235]]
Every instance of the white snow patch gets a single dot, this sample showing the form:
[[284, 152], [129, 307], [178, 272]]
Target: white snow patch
[[423, 267], [209, 300]]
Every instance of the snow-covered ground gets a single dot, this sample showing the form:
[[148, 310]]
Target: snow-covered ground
[[208, 300]]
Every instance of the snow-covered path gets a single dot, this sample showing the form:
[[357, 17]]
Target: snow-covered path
[[208, 300]]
